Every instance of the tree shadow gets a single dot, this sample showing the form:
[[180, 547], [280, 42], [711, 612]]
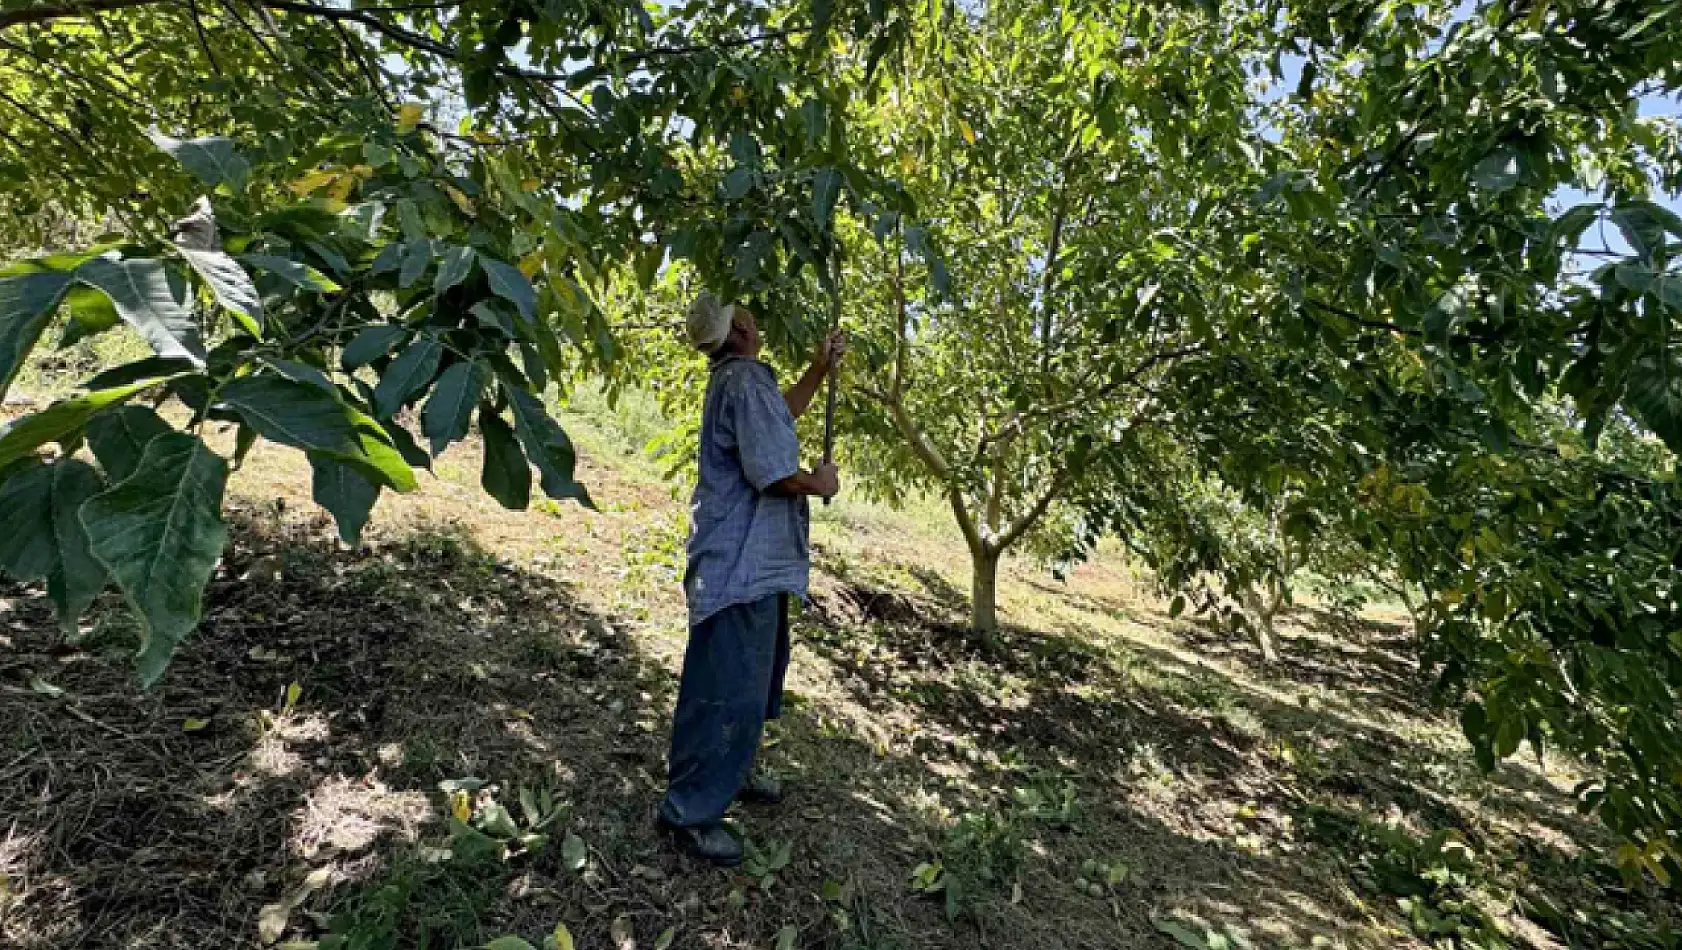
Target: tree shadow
[[171, 818]]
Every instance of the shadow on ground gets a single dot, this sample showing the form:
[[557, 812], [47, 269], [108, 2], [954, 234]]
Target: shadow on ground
[[174, 818]]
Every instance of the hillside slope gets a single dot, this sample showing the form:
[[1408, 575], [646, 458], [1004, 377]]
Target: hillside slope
[[1102, 777]]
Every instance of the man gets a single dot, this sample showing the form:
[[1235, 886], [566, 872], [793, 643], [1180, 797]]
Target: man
[[747, 555]]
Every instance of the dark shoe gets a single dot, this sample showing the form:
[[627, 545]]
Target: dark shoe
[[761, 790], [713, 844]]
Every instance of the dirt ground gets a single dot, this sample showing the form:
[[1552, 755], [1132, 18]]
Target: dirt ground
[[1101, 777]]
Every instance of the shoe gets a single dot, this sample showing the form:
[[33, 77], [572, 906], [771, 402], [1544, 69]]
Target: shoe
[[713, 844], [761, 789]]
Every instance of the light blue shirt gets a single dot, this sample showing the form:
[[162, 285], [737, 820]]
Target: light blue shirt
[[745, 544]]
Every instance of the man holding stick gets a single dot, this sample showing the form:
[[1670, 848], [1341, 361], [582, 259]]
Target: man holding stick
[[748, 553]]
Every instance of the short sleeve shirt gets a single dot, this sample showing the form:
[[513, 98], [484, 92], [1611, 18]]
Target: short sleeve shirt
[[745, 543]]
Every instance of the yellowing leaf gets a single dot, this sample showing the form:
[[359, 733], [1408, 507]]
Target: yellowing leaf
[[409, 115], [969, 133], [363, 172], [312, 180], [461, 200], [341, 187], [461, 806], [485, 138], [530, 184], [531, 264], [738, 95], [293, 692], [562, 937]]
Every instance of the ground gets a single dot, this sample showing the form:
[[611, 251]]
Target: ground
[[1101, 776]]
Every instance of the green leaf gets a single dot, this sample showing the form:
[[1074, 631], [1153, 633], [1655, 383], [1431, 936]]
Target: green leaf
[[141, 291], [61, 419], [1180, 932], [814, 117], [296, 273], [160, 533], [91, 313], [370, 344], [342, 490], [826, 188], [77, 577], [417, 255], [213, 159], [1640, 226], [738, 183], [574, 853], [305, 417], [453, 269], [231, 285], [41, 537], [152, 367], [508, 283], [547, 445], [1498, 172], [119, 438], [787, 936], [509, 943], [505, 474], [408, 374], [27, 304], [1177, 606], [449, 411], [664, 941], [1654, 392]]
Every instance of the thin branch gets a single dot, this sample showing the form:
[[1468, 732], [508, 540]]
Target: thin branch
[[12, 18], [1028, 518], [355, 50], [204, 40]]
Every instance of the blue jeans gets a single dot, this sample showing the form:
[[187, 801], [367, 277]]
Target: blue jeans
[[733, 672]]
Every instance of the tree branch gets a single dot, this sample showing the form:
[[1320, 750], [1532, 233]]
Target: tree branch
[[1020, 525], [27, 15]]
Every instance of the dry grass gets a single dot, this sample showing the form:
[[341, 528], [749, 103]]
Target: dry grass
[[539, 650]]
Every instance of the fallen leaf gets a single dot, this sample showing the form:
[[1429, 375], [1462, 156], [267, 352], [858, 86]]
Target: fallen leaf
[[1180, 932], [271, 921], [562, 937], [624, 938], [787, 936], [665, 939], [574, 853], [194, 725]]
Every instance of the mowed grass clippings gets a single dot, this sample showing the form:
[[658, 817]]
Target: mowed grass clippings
[[1095, 777]]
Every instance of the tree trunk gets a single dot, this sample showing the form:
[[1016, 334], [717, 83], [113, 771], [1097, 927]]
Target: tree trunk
[[1261, 618], [984, 592]]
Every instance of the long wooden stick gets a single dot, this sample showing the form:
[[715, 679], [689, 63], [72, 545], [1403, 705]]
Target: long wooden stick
[[829, 395]]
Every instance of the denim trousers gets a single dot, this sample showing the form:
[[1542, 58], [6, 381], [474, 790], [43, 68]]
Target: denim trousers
[[732, 682]]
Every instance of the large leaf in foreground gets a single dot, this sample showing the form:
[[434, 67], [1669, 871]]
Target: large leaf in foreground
[[449, 411], [141, 291], [342, 490], [231, 284], [119, 438], [407, 375], [213, 159], [506, 474], [27, 303], [160, 533], [306, 417], [41, 537], [548, 447], [61, 419]]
